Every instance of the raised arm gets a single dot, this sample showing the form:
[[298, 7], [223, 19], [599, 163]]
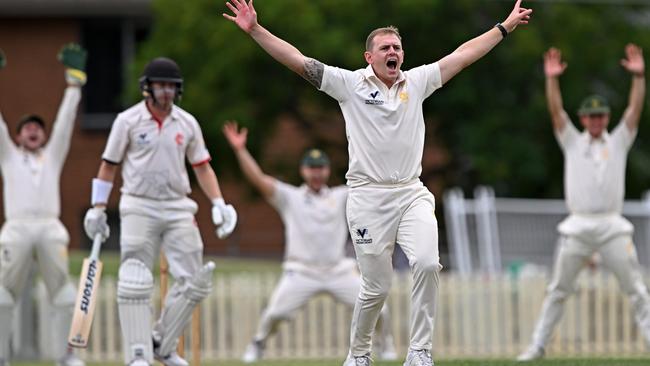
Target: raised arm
[[245, 17], [635, 65], [237, 140], [5, 138], [553, 68], [73, 57], [472, 50]]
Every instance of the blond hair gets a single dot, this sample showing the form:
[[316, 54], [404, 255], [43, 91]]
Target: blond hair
[[383, 30]]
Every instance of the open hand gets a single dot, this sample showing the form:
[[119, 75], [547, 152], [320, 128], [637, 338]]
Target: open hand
[[633, 61], [236, 138], [518, 16], [553, 65], [245, 15]]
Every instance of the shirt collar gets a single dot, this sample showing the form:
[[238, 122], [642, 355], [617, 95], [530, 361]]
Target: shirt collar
[[323, 191], [604, 137], [369, 73], [146, 114]]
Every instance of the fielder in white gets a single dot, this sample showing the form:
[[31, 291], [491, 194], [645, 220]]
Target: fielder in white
[[387, 202], [31, 173], [152, 140], [315, 236], [594, 188]]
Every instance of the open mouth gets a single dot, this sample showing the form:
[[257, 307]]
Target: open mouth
[[391, 64]]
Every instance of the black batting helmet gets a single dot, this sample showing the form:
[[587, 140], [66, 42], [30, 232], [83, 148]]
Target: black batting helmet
[[161, 69]]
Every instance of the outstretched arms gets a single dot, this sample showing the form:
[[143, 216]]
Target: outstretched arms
[[245, 17], [472, 50], [553, 68], [237, 140], [635, 65]]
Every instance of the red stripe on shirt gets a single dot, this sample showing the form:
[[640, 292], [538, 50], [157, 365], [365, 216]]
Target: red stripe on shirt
[[202, 162]]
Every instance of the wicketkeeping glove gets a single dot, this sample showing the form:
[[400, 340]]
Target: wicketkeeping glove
[[3, 59], [95, 223], [224, 217], [73, 57]]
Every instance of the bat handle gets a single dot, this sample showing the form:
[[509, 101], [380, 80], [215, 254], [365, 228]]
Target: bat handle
[[97, 245]]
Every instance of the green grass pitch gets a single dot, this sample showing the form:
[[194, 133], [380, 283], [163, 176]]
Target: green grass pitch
[[546, 362]]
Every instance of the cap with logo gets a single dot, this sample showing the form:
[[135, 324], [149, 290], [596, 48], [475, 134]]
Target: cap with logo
[[314, 158], [593, 104]]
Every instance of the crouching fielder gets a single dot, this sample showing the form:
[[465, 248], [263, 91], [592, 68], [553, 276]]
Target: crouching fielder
[[151, 140]]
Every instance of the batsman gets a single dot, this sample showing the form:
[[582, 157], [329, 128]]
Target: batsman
[[152, 140], [31, 171]]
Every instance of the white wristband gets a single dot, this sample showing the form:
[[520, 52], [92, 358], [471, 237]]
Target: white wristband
[[218, 202], [101, 191]]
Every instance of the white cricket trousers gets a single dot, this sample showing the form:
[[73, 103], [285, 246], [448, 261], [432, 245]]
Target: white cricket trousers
[[618, 255], [297, 287], [378, 217], [46, 240]]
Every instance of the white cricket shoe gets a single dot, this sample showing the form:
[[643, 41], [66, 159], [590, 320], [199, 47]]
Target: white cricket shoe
[[418, 358], [531, 353], [172, 359], [358, 360], [253, 353], [70, 359]]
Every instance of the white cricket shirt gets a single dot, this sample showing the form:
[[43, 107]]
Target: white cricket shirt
[[315, 227], [384, 127], [153, 154], [594, 169], [31, 179]]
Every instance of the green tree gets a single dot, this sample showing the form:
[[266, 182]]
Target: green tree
[[491, 118]]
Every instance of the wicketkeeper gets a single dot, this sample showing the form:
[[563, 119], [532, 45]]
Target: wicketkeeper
[[31, 172], [151, 141]]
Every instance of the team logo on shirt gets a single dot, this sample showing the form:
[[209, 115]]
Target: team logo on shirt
[[374, 100], [404, 96], [179, 139], [362, 236], [142, 139]]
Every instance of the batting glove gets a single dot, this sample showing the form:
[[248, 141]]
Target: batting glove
[[3, 59], [224, 217], [73, 57], [95, 223]]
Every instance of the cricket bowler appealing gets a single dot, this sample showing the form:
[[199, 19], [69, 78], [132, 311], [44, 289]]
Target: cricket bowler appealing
[[151, 141], [31, 174], [387, 203]]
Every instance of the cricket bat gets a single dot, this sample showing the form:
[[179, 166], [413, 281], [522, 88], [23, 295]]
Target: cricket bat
[[87, 293]]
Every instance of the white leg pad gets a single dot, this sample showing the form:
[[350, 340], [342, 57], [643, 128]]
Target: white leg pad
[[63, 302], [179, 305], [6, 312], [134, 290]]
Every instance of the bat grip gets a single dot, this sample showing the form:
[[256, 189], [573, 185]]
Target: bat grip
[[97, 244]]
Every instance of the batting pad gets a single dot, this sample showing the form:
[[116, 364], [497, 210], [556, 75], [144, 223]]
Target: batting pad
[[179, 307], [63, 303], [134, 289], [6, 314]]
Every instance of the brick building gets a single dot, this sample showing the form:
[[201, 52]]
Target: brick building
[[31, 33]]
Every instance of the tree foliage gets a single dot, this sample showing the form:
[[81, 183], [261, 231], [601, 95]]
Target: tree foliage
[[491, 118]]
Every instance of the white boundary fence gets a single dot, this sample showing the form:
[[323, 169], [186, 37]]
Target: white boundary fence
[[478, 316]]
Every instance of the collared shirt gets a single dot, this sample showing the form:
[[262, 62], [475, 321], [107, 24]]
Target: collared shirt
[[153, 153], [594, 169], [384, 127], [31, 180], [315, 227]]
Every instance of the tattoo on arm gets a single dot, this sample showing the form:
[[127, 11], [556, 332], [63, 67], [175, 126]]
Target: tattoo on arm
[[314, 71]]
